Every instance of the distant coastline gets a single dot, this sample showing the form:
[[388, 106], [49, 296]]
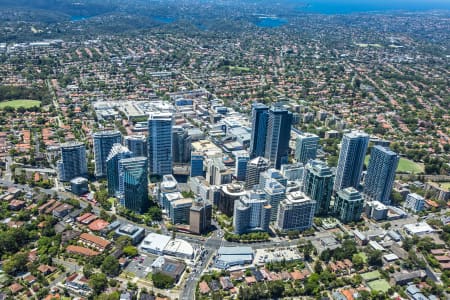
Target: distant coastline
[[367, 6]]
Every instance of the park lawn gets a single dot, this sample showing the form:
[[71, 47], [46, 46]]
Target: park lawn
[[408, 166], [380, 285], [369, 276], [20, 103], [404, 165]]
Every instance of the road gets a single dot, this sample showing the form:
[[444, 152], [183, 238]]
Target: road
[[8, 173]]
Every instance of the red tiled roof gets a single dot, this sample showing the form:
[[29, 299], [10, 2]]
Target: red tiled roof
[[81, 250], [204, 288], [100, 242], [98, 225], [15, 288]]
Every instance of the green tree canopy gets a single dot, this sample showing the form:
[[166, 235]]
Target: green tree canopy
[[110, 266]]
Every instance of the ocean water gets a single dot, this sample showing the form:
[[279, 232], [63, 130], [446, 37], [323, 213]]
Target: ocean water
[[354, 6]]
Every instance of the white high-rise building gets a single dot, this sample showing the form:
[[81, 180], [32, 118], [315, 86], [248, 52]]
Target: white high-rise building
[[306, 147], [296, 212]]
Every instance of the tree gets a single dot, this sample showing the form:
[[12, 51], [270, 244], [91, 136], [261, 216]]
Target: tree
[[374, 258], [123, 241], [308, 248], [155, 213], [386, 226], [318, 267], [110, 266], [312, 284], [112, 296], [130, 251], [98, 282], [17, 263], [358, 261], [88, 270], [162, 281]]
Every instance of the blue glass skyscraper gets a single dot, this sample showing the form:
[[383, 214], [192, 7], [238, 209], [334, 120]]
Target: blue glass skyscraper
[[117, 153], [133, 184], [73, 161], [160, 143], [260, 113], [278, 135], [103, 143], [380, 174], [197, 164]]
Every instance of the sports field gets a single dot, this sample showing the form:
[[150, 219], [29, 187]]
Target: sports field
[[20, 103], [369, 276], [380, 285]]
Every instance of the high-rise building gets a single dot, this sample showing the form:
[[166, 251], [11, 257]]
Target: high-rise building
[[254, 169], [351, 160], [217, 173], [181, 142], [103, 143], [293, 172], [133, 184], [179, 210], [260, 113], [318, 184], [117, 153], [200, 216], [380, 176], [197, 164], [241, 157], [348, 205], [270, 174], [278, 136], [296, 212], [414, 202], [168, 185], [73, 161], [251, 213], [306, 147], [275, 193], [137, 144], [160, 143], [228, 194]]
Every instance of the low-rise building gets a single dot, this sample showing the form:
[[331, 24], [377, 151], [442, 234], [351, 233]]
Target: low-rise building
[[404, 278], [94, 241], [418, 228], [135, 233], [62, 210], [414, 202], [168, 267], [232, 256], [376, 210], [81, 251]]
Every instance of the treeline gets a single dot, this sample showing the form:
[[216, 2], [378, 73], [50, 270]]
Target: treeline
[[9, 92]]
